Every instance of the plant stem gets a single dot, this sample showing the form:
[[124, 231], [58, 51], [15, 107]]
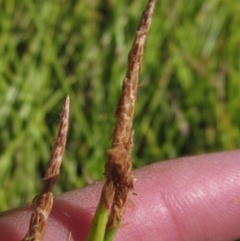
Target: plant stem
[[98, 226], [119, 179]]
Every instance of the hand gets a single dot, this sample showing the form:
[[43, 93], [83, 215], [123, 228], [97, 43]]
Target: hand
[[195, 199]]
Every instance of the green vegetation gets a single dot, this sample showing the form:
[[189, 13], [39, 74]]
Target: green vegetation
[[188, 103]]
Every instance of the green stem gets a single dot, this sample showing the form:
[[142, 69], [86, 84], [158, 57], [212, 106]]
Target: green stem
[[110, 233], [98, 226]]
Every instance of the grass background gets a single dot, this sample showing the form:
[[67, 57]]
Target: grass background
[[189, 102]]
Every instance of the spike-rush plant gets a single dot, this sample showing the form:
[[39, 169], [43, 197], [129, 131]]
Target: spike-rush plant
[[119, 180]]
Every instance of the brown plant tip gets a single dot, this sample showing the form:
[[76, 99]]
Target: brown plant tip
[[53, 168], [119, 179], [43, 202]]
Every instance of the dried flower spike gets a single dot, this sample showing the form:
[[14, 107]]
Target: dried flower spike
[[44, 201], [119, 179], [119, 164]]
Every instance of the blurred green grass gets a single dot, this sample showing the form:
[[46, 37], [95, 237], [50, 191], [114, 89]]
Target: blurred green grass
[[189, 102]]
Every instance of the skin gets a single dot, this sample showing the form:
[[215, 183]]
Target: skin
[[193, 198]]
